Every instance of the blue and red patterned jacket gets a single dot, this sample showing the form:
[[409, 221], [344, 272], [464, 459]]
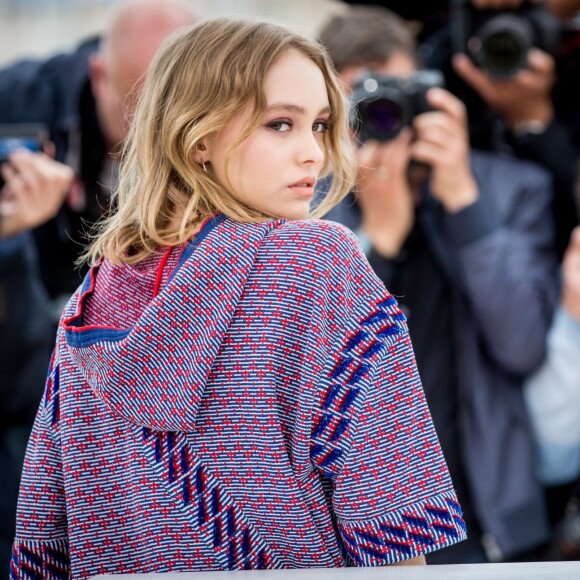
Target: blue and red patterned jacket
[[256, 407]]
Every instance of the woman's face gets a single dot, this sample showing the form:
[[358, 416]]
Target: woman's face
[[275, 169]]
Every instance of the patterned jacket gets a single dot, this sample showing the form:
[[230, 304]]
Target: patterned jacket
[[263, 411]]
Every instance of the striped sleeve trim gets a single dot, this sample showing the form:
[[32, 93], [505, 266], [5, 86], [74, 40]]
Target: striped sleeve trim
[[36, 560], [412, 531]]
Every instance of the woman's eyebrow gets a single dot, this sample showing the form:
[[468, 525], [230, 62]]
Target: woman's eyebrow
[[294, 108]]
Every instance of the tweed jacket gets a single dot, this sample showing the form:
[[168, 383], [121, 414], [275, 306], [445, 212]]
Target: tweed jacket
[[264, 411]]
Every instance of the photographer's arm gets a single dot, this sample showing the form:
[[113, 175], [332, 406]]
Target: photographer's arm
[[506, 265], [442, 142], [35, 189]]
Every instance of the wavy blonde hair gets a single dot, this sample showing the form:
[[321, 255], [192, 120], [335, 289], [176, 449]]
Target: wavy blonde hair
[[199, 80]]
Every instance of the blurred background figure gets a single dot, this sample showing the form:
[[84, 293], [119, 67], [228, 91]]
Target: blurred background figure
[[84, 98], [515, 64], [463, 238]]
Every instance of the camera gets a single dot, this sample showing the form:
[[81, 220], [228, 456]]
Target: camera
[[32, 136], [383, 104], [498, 42]]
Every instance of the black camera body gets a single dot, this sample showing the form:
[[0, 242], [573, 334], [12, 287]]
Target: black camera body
[[383, 104], [498, 41], [31, 136]]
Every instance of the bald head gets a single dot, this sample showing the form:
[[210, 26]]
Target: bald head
[[133, 33], [135, 29]]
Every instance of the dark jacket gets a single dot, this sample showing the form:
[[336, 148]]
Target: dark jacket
[[499, 253]]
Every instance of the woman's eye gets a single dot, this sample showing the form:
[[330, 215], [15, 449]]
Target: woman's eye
[[280, 126], [321, 126]]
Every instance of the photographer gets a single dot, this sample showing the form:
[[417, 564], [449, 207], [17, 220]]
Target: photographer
[[85, 99], [34, 189], [524, 100], [465, 241]]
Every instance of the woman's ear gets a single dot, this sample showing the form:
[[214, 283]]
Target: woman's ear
[[200, 154]]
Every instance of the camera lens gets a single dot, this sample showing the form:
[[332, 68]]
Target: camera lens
[[503, 53], [501, 46], [382, 119]]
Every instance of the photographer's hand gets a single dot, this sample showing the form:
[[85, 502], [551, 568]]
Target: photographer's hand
[[35, 189], [384, 195], [571, 276], [523, 98], [442, 142]]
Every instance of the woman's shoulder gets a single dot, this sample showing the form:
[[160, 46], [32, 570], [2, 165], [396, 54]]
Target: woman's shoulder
[[324, 251], [314, 236]]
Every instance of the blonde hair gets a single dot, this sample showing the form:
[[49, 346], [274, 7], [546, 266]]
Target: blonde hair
[[198, 81]]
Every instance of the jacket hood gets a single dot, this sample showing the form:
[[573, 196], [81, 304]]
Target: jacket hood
[[154, 372]]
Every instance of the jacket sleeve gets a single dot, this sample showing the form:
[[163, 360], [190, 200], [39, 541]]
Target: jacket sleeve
[[27, 92], [373, 436], [40, 549], [508, 270]]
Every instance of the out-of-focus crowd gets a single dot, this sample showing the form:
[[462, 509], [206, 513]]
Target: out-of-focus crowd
[[466, 116]]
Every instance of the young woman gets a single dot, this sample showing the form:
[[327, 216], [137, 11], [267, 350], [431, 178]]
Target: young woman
[[232, 387]]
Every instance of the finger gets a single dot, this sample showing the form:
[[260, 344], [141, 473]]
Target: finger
[[397, 152], [381, 152], [443, 100], [540, 62], [23, 160], [575, 238], [28, 171], [49, 149], [427, 153], [441, 120], [14, 186], [440, 137], [8, 172]]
